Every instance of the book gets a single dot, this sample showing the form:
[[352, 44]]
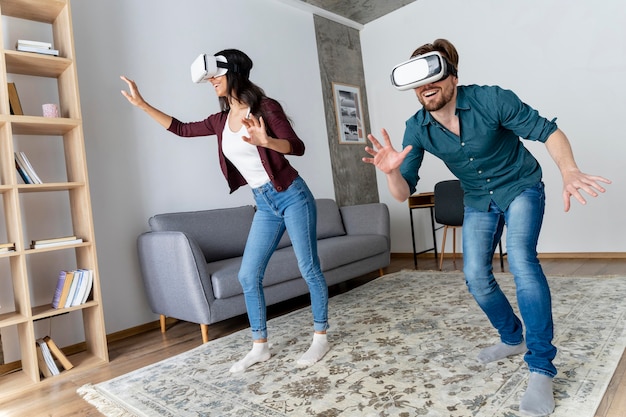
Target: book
[[57, 353], [22, 172], [80, 287], [88, 287], [65, 292], [37, 44], [53, 240], [30, 169], [55, 244], [43, 366], [22, 161], [6, 247], [14, 100], [60, 288], [73, 288], [47, 356], [28, 48]]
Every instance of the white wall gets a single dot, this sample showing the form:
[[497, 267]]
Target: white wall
[[566, 59], [138, 169]]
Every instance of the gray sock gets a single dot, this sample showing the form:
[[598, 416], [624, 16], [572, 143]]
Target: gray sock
[[500, 351], [538, 400]]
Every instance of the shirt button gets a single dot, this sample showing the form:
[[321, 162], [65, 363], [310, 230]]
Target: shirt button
[[488, 179], [490, 192], [471, 159], [462, 143], [480, 171]]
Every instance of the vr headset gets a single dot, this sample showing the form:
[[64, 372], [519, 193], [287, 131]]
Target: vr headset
[[206, 67], [421, 70]]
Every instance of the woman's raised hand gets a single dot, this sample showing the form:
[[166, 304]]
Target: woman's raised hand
[[132, 95]]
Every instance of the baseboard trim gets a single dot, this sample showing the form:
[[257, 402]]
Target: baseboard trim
[[545, 255]]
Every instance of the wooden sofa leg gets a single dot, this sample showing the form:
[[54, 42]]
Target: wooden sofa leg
[[204, 328], [381, 272], [162, 320]]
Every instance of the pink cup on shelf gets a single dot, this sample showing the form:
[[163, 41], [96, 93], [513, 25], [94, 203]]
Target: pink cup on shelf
[[50, 110]]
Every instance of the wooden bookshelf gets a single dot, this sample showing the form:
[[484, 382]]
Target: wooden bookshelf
[[68, 131]]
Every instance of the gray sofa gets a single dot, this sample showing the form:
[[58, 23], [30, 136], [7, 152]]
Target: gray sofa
[[189, 261]]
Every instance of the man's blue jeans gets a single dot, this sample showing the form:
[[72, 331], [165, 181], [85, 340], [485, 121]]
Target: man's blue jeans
[[481, 234], [294, 210]]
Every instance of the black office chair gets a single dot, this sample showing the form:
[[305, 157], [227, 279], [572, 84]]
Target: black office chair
[[449, 213]]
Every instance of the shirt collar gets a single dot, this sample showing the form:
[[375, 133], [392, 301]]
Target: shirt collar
[[425, 118]]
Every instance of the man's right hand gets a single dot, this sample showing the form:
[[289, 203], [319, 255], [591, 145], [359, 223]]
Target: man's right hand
[[385, 157]]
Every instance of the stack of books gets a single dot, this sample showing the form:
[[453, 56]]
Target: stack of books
[[47, 352], [36, 46], [57, 241], [25, 169], [73, 288], [7, 247]]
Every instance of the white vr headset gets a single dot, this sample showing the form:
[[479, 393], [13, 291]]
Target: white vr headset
[[206, 67], [421, 70]]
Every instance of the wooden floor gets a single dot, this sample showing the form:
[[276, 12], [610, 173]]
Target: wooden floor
[[58, 397]]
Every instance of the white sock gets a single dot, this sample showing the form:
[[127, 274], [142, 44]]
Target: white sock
[[318, 349], [500, 351], [538, 400], [260, 353]]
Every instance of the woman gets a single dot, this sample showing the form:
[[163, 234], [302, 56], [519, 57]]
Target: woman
[[254, 135]]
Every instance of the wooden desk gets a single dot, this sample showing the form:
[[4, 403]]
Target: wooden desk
[[421, 201]]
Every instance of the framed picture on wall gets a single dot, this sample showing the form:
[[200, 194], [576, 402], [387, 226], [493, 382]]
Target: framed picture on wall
[[349, 113]]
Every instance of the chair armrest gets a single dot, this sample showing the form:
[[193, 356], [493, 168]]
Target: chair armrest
[[366, 219], [175, 276]]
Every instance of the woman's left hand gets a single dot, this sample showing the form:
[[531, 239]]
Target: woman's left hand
[[257, 135]]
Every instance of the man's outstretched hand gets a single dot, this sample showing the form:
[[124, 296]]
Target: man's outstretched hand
[[385, 157]]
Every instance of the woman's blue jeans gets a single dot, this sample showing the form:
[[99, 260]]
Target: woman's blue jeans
[[481, 234], [293, 210]]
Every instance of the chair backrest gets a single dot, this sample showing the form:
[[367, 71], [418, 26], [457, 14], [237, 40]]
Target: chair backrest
[[449, 203]]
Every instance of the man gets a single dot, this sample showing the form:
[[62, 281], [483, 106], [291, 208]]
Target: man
[[476, 131]]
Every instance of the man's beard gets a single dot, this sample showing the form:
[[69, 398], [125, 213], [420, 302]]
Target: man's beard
[[444, 98]]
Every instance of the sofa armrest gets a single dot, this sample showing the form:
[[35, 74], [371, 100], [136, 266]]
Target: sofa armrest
[[175, 276], [367, 219]]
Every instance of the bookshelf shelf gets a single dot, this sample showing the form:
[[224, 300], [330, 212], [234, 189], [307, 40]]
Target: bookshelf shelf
[[39, 65], [28, 305], [37, 125], [58, 186], [45, 11], [12, 319]]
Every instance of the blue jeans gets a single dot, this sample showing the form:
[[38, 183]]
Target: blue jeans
[[481, 234], [293, 210]]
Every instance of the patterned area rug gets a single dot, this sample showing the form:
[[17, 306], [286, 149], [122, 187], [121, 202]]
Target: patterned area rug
[[402, 345]]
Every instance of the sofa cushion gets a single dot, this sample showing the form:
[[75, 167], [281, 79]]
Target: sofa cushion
[[282, 267], [329, 222], [333, 253], [343, 250], [220, 233]]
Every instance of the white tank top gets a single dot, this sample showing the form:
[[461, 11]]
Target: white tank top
[[243, 155]]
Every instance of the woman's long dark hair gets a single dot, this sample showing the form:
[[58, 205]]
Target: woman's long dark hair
[[238, 82]]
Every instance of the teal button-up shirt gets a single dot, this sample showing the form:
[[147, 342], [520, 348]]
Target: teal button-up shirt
[[488, 158]]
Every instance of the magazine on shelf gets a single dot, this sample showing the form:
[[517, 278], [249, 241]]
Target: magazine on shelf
[[56, 244], [46, 51], [36, 44]]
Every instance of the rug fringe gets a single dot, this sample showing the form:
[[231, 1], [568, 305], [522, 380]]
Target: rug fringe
[[102, 403]]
